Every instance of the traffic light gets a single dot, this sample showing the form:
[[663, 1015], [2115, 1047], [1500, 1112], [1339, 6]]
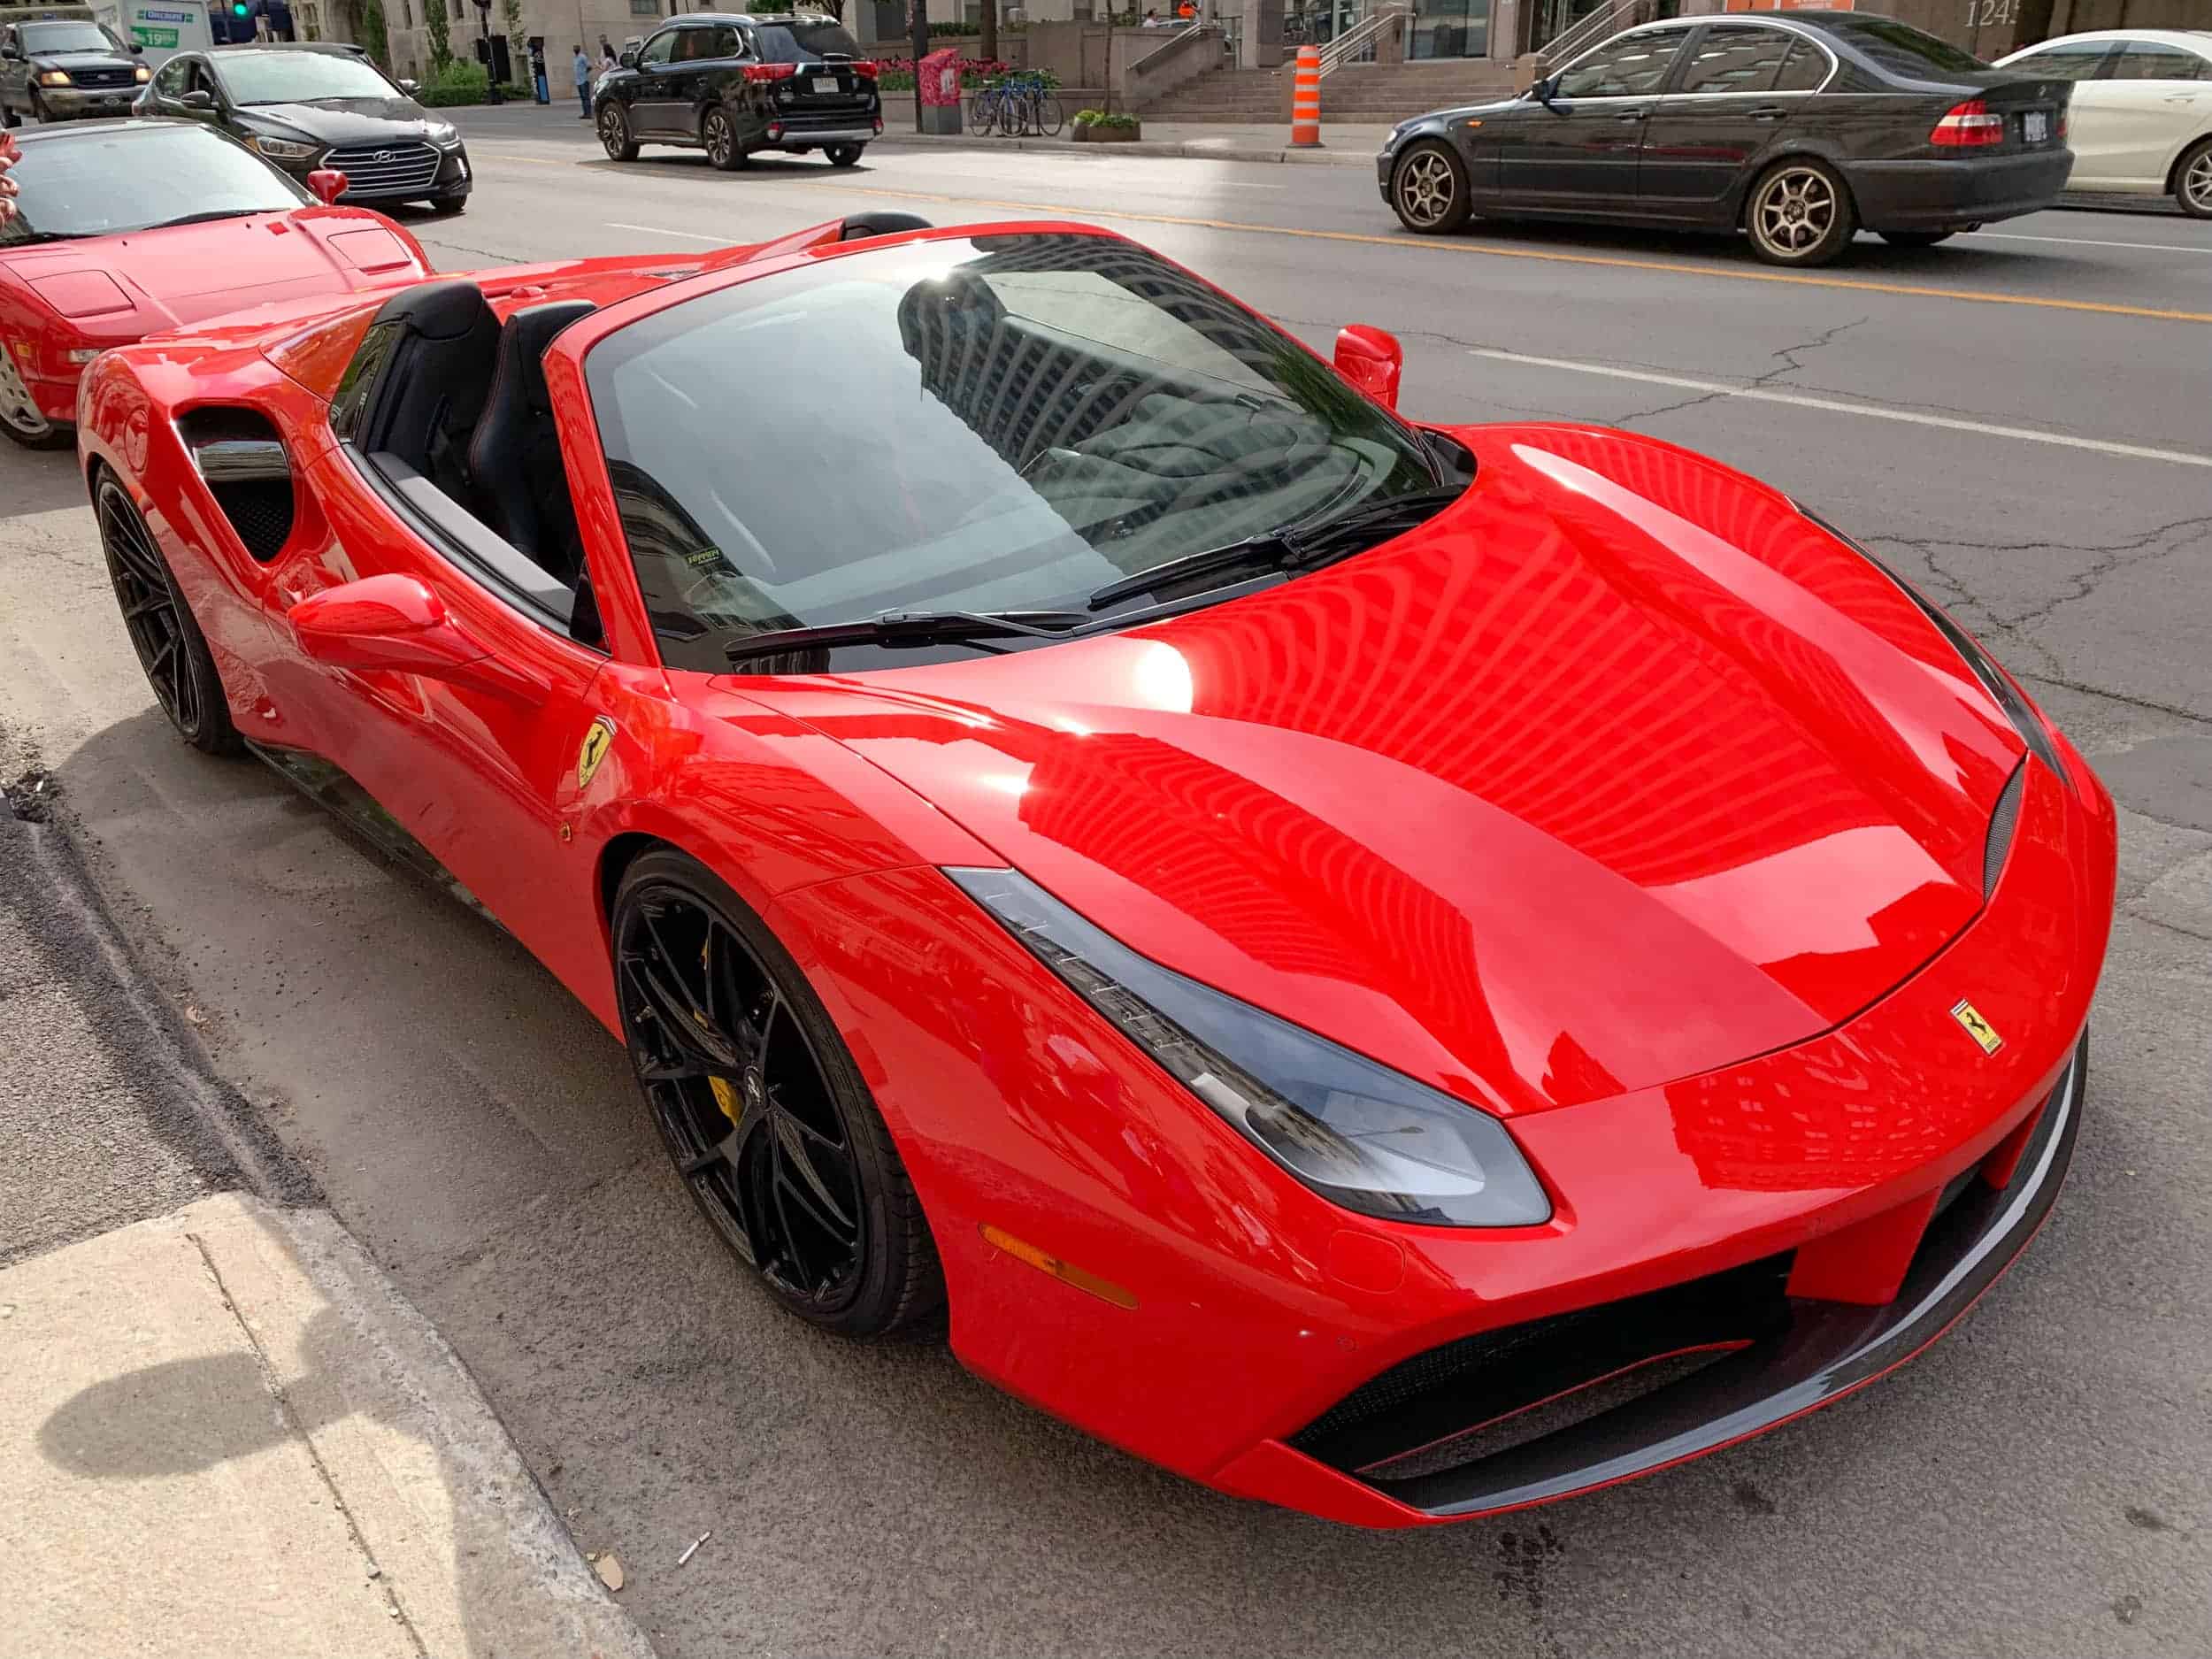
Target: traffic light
[[240, 8]]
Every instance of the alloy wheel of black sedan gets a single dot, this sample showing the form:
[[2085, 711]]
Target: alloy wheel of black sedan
[[179, 668], [1800, 214], [1429, 190], [614, 134], [760, 1110]]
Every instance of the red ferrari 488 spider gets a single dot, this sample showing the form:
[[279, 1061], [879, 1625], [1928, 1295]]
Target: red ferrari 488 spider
[[1401, 970], [125, 228]]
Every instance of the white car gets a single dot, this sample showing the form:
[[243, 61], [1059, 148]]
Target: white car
[[2141, 122]]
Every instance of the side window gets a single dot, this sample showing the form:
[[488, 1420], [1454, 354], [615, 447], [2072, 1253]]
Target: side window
[[1735, 59], [2143, 61], [722, 42], [658, 49], [2075, 60], [1632, 66], [170, 82], [1805, 70]]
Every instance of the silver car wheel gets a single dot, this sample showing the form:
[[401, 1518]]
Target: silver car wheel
[[1795, 211], [1426, 188]]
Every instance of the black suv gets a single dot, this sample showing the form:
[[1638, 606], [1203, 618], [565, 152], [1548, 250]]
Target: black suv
[[730, 84], [309, 106], [59, 68]]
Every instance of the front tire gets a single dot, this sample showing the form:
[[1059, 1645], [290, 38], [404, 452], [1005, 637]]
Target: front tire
[[21, 416], [2192, 181], [615, 137], [1429, 190], [762, 1109], [719, 133], [1915, 238], [450, 208], [843, 154], [171, 649], [1800, 214]]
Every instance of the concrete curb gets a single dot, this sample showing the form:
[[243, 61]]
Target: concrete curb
[[1201, 151]]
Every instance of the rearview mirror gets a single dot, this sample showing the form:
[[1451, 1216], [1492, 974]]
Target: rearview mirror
[[1372, 361], [198, 99], [327, 184], [395, 623]]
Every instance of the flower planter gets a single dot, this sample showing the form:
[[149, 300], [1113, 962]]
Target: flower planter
[[1091, 134]]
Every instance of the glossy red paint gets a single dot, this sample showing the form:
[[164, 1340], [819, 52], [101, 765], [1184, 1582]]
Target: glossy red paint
[[1620, 800], [87, 296]]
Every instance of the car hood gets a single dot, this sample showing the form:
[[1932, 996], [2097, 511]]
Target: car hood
[[80, 60], [344, 120], [1618, 772], [1494, 106], [135, 284]]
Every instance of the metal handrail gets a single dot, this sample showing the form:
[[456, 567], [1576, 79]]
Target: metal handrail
[[1355, 42], [1572, 42]]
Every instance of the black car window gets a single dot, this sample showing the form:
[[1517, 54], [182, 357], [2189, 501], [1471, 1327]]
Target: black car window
[[2073, 60], [1735, 57], [1900, 47], [691, 44], [1070, 410], [251, 77], [722, 42], [1629, 67], [659, 49], [104, 180], [1805, 70], [2143, 61], [68, 37], [804, 41]]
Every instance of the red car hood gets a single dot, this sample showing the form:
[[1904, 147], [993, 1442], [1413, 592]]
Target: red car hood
[[128, 286], [1618, 772]]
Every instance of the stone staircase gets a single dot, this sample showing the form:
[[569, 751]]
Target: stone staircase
[[1356, 92]]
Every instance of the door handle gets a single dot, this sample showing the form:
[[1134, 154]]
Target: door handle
[[1631, 115], [2181, 97], [1767, 112]]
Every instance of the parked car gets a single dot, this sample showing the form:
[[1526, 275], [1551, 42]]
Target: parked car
[[2142, 110], [127, 228], [734, 85], [306, 107], [1403, 969], [1797, 130], [63, 69]]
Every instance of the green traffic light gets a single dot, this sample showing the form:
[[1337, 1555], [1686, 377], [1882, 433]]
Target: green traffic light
[[238, 8]]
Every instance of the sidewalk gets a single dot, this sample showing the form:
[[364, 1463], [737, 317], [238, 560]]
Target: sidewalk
[[223, 1432]]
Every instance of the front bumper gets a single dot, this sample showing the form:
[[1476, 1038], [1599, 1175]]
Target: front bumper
[[1950, 195], [77, 104]]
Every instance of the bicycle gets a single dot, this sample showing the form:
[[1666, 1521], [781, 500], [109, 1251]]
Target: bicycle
[[1017, 106]]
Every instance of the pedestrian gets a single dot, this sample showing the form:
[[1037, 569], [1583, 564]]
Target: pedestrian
[[583, 83], [538, 89], [8, 155], [607, 58], [1151, 17]]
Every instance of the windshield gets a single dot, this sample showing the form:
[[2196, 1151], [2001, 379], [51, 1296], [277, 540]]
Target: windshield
[[298, 77], [1901, 46], [1001, 423], [68, 37], [98, 183], [802, 42]]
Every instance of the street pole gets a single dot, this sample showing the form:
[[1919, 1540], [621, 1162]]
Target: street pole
[[920, 16]]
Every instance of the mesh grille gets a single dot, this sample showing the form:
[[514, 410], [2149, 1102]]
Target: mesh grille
[[2002, 822], [261, 511]]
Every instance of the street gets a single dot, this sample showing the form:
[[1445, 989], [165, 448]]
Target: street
[[2016, 420]]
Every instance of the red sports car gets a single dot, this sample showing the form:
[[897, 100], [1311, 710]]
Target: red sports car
[[125, 228], [1403, 970]]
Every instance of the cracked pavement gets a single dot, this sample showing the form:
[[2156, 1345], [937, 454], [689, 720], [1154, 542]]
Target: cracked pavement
[[2040, 1483]]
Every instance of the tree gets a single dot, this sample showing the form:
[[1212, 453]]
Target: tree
[[367, 26], [434, 19]]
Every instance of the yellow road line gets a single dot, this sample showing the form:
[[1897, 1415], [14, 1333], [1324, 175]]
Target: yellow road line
[[1910, 290]]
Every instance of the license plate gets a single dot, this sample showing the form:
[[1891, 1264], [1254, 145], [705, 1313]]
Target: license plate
[[2035, 126], [825, 85]]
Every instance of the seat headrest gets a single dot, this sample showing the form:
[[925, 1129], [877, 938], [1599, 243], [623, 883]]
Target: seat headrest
[[438, 311], [861, 225], [523, 342]]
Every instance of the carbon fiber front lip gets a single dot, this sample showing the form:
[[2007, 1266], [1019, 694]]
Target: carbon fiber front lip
[[1830, 1350]]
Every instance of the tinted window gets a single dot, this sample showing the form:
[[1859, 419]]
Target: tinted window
[[1628, 67], [805, 42], [1051, 413], [68, 37], [1900, 47], [2076, 61], [1736, 59], [170, 81], [98, 182], [1807, 69], [2157, 63], [658, 49], [298, 77]]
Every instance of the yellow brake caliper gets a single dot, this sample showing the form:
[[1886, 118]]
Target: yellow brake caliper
[[726, 1094]]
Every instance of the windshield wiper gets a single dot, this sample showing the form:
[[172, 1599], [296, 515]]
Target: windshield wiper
[[27, 237], [909, 628], [213, 214], [1298, 546]]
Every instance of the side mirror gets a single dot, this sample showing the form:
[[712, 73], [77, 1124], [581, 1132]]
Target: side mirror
[[11, 54], [138, 48], [198, 98], [1545, 91], [628, 60], [396, 624], [326, 184], [410, 87], [1372, 361]]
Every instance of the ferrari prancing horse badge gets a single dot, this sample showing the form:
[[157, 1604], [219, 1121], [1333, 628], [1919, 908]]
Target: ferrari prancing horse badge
[[597, 742], [1979, 1029]]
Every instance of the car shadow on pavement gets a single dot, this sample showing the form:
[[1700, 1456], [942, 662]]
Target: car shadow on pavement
[[40, 481], [1867, 255]]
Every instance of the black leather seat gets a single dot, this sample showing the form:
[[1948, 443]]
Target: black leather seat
[[431, 387], [519, 486]]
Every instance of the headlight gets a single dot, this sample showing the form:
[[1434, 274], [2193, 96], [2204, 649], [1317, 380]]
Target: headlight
[[54, 78], [2025, 719], [142, 74], [1360, 1134], [284, 149], [445, 135]]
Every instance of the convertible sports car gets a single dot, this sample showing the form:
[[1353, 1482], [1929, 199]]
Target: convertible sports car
[[1406, 972], [125, 228]]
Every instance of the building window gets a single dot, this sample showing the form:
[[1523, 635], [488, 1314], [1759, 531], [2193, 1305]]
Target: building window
[[645, 8]]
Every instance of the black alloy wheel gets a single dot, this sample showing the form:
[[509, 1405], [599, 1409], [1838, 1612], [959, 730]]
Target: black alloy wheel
[[1429, 190], [1800, 213], [170, 645], [614, 133], [842, 155], [762, 1109], [719, 133], [1915, 238]]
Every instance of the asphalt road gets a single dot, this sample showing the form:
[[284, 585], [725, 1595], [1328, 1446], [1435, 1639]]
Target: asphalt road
[[2020, 421]]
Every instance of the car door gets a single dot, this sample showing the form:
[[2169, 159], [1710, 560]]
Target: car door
[[2089, 112], [2157, 96], [653, 106], [170, 85], [1579, 148], [1738, 87]]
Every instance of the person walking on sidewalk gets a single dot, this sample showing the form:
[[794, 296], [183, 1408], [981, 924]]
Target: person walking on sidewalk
[[583, 83]]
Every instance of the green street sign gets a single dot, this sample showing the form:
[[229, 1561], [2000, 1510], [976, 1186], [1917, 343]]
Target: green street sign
[[145, 36]]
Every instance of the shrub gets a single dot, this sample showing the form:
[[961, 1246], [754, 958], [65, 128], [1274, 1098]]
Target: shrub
[[1120, 120], [459, 80]]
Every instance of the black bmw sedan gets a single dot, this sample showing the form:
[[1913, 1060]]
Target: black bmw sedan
[[309, 106], [1798, 130]]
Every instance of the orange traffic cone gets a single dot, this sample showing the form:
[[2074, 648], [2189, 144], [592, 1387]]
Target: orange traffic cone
[[1305, 101]]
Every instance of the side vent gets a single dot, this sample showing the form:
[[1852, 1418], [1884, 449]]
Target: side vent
[[242, 460], [2001, 824]]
